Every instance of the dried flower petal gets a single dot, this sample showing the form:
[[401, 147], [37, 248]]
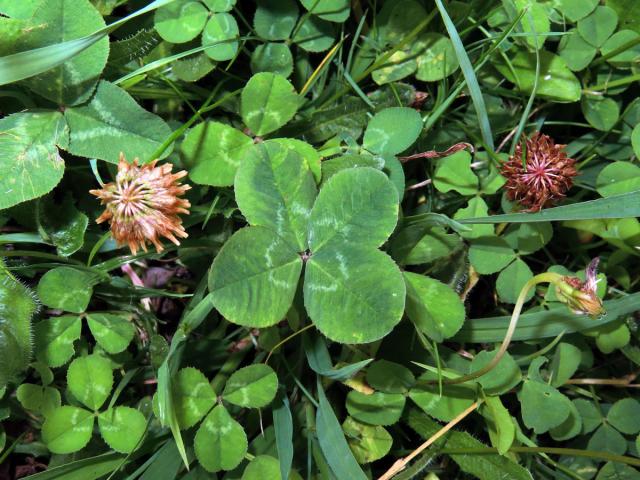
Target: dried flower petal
[[581, 297], [545, 177], [142, 205]]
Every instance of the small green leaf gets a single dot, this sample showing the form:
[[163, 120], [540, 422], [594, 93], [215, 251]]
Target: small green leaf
[[607, 439], [356, 206], [254, 386], [617, 178], [390, 377], [90, 380], [353, 294], [433, 306], [32, 165], [112, 332], [330, 10], [220, 5], [590, 414], [268, 102], [476, 208], [66, 288], [67, 429], [512, 280], [601, 112], [574, 10], [382, 135], [500, 424], [570, 428], [527, 238], [275, 189], [625, 416], [308, 153], [565, 363], [193, 396], [180, 21], [315, 35], [266, 467], [446, 406], [543, 407], [220, 443], [368, 443], [612, 336], [617, 471], [598, 26], [435, 57], [272, 57], [454, 173], [575, 51], [219, 31], [490, 254], [214, 151], [275, 19], [502, 378], [556, 81], [39, 399], [254, 277], [111, 123], [63, 224], [122, 428], [54, 339], [376, 408], [626, 57]]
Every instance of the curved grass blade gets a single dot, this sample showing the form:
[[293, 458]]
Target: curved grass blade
[[283, 425], [85, 469], [549, 323], [469, 76], [32, 62], [320, 361], [625, 205], [332, 442]]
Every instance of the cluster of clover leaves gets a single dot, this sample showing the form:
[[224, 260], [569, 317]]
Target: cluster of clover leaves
[[353, 292]]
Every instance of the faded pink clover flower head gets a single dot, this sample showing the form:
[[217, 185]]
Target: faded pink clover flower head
[[581, 297], [543, 178], [143, 204]]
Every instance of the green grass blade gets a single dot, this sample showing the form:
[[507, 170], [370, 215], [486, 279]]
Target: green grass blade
[[332, 442], [469, 76], [549, 323], [625, 205], [85, 469], [283, 425], [33, 62]]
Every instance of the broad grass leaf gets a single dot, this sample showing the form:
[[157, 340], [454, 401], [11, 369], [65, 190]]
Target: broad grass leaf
[[17, 306], [220, 443], [213, 152], [112, 332], [268, 101], [283, 426], [180, 21], [254, 386], [54, 339], [377, 408], [58, 21], [67, 429], [111, 123], [383, 135], [66, 288], [32, 165], [275, 19], [433, 307], [219, 32], [333, 443], [368, 443], [353, 294], [90, 380], [275, 189], [484, 467], [319, 360], [357, 206], [90, 468], [122, 428], [254, 277]]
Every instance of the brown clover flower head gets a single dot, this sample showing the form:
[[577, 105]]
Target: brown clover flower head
[[545, 176], [581, 297], [142, 205]]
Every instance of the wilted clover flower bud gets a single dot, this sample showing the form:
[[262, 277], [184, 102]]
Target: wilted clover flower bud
[[142, 205], [581, 297], [543, 177]]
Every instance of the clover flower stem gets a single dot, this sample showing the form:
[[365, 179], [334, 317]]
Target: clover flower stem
[[547, 277]]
